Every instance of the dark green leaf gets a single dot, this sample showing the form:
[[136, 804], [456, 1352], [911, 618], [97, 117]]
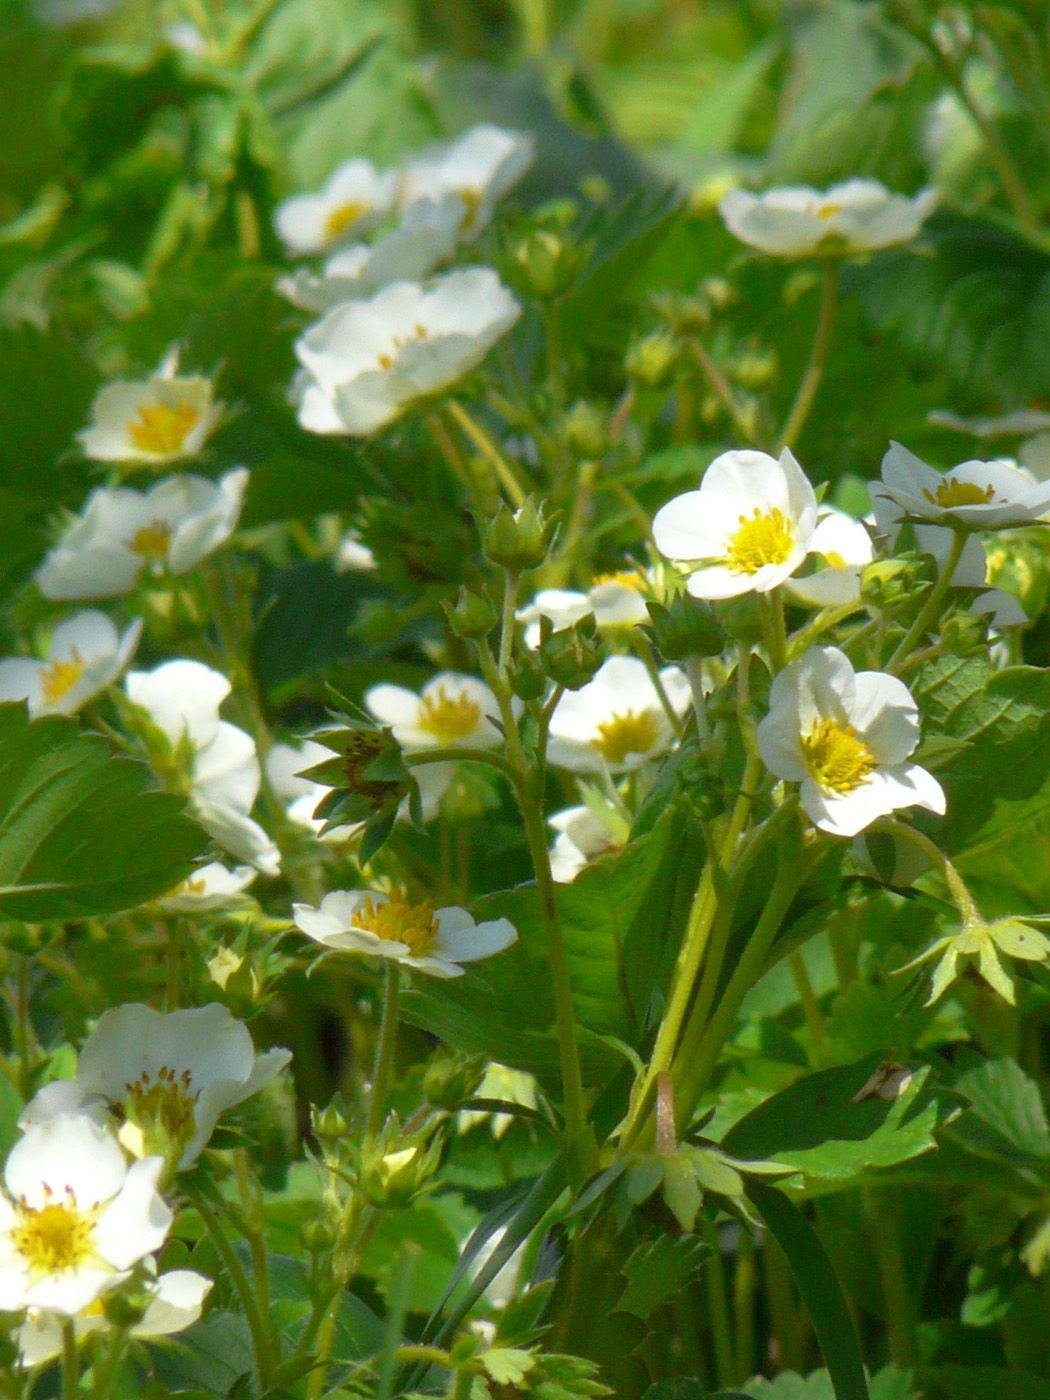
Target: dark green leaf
[[1007, 1117], [657, 1270]]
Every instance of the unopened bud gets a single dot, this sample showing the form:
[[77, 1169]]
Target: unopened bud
[[330, 1124], [887, 581], [549, 261], [449, 1081], [686, 626], [583, 430], [472, 615], [528, 676], [653, 359], [572, 656], [753, 369], [964, 633], [318, 1235], [522, 539]]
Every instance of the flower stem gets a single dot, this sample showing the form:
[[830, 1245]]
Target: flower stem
[[384, 1060], [454, 754], [508, 623], [742, 425], [774, 628], [488, 448], [929, 609], [70, 1364], [814, 371], [808, 997], [241, 1286]]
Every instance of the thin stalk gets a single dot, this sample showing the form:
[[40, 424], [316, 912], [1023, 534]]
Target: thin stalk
[[105, 1381], [174, 958], [814, 371], [385, 1050], [744, 1304], [251, 1203], [395, 1322], [508, 623], [808, 998], [489, 449], [893, 1276], [484, 503], [718, 1306], [742, 424], [774, 628], [929, 609], [645, 651], [694, 672], [450, 753], [256, 1323], [70, 1364]]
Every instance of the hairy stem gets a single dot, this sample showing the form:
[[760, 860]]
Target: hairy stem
[[385, 1050], [814, 371], [928, 611]]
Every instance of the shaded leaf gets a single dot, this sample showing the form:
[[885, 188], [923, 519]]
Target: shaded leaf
[[658, 1269]]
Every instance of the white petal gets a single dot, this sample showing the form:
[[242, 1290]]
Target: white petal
[[137, 1221]]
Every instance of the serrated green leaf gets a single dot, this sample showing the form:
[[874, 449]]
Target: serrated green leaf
[[657, 1269], [1007, 1117]]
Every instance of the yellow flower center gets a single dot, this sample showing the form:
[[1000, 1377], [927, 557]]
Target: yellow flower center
[[397, 921], [164, 1103], [55, 1238], [448, 717], [838, 760], [151, 541], [471, 200], [626, 734], [61, 676], [342, 216], [162, 427], [951, 492], [627, 578], [762, 539], [191, 885], [829, 209]]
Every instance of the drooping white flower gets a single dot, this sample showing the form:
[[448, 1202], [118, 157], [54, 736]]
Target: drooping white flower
[[476, 170], [616, 600], [211, 886], [366, 361], [122, 532], [160, 419], [972, 496], [85, 655], [583, 835], [425, 238], [169, 1077], [451, 710], [748, 527], [616, 722], [858, 216], [845, 737], [435, 941], [75, 1217], [176, 1300], [182, 699], [353, 197], [845, 546]]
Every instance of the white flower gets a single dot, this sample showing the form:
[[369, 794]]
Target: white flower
[[75, 1216], [425, 237], [477, 170], [120, 532], [169, 1077], [616, 722], [845, 736], [858, 216], [209, 887], [182, 699], [353, 197], [583, 835], [366, 361], [846, 547], [972, 496], [85, 655], [417, 935], [160, 419], [176, 1300], [749, 526], [352, 555], [452, 710], [616, 600]]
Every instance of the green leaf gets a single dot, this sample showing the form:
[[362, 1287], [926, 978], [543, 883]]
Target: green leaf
[[985, 1383], [213, 1354], [658, 1269], [1007, 1117], [819, 1288]]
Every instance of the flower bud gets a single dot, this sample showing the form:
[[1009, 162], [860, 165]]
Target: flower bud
[[574, 655], [549, 261], [528, 676], [330, 1124], [472, 615], [887, 581], [392, 1175], [125, 1307], [753, 369], [318, 1235], [583, 430], [521, 540], [652, 360], [687, 626], [450, 1080]]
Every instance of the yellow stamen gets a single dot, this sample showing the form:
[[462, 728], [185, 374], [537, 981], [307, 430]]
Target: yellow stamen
[[448, 717], [397, 921], [838, 760], [471, 199], [151, 541], [762, 539], [834, 560], [342, 216], [952, 492], [189, 886], [55, 1238], [829, 209], [627, 578], [61, 676], [163, 427], [626, 734], [385, 361], [166, 1102]]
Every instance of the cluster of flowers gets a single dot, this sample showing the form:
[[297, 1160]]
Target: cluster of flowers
[[83, 1211]]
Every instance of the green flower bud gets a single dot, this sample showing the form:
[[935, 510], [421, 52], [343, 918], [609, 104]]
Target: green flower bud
[[528, 676], [687, 626], [753, 369], [572, 656], [652, 360], [549, 261], [125, 1307], [472, 615], [884, 582], [450, 1080], [522, 539], [395, 1173], [583, 430], [318, 1235], [330, 1124]]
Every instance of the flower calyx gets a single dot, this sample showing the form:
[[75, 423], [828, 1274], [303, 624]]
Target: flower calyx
[[573, 656], [521, 539]]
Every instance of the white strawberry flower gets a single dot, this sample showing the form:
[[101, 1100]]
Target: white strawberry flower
[[617, 721], [160, 419], [583, 835], [858, 216], [212, 886], [167, 1077], [476, 170], [122, 532], [74, 1217], [366, 361], [85, 655], [748, 527], [176, 1300], [425, 237], [182, 699], [845, 547], [452, 710], [616, 600], [435, 941], [975, 495], [353, 197], [845, 737]]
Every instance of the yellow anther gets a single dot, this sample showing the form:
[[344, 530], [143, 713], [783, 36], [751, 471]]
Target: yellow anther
[[626, 734], [838, 760], [952, 492], [151, 541], [396, 921], [54, 1238], [761, 539], [342, 216], [61, 676], [448, 717], [163, 427]]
